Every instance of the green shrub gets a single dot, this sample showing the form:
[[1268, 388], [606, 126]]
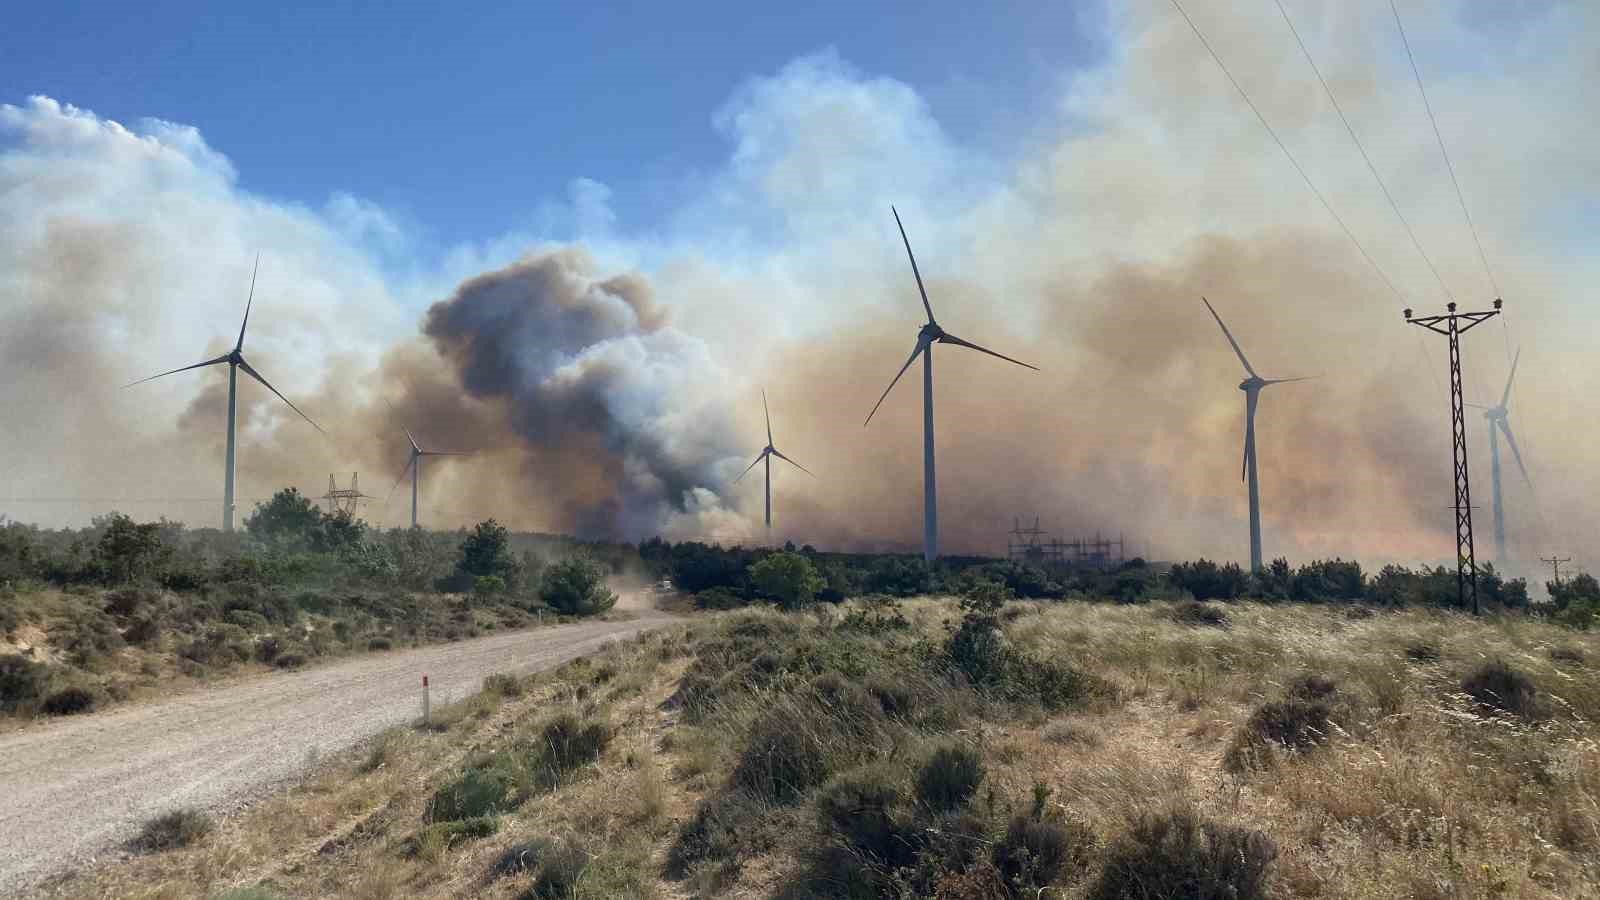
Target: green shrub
[[502, 684], [379, 644], [248, 619], [787, 578], [86, 636], [1422, 651], [567, 743], [718, 598], [179, 828], [561, 867], [1194, 612], [485, 586], [785, 755], [454, 832], [576, 586], [1178, 855], [949, 777], [725, 826], [860, 809], [124, 602], [1291, 724], [22, 681], [478, 792], [68, 701], [1497, 685], [1036, 851], [291, 660]]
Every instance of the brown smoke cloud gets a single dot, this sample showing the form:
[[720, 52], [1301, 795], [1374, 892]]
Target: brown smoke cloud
[[606, 398]]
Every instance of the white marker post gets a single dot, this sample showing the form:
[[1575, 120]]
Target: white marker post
[[424, 700]]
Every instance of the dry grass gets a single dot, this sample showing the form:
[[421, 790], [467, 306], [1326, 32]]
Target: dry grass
[[1418, 791]]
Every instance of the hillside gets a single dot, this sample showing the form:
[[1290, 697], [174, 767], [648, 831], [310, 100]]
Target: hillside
[[1075, 749]]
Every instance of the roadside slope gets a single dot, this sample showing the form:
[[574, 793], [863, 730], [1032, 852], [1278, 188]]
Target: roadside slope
[[78, 787]]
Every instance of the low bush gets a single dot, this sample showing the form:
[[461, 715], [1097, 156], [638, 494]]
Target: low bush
[[862, 811], [291, 660], [567, 743], [724, 827], [950, 776], [502, 684], [451, 833], [576, 586], [478, 792], [560, 866], [68, 701], [170, 831], [22, 681], [1293, 724], [1572, 655], [1498, 686], [1422, 651], [1036, 851], [1195, 612], [380, 644], [1176, 854]]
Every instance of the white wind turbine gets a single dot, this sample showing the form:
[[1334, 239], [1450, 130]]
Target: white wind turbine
[[1252, 390], [414, 466], [767, 454], [1499, 423], [235, 360], [929, 335]]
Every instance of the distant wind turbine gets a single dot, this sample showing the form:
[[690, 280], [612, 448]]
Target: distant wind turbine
[[414, 466], [1497, 423], [767, 454], [1252, 389], [235, 360], [929, 335]]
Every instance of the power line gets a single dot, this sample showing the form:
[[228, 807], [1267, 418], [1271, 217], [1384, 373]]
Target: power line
[[1290, 156], [1368, 159], [1445, 153]]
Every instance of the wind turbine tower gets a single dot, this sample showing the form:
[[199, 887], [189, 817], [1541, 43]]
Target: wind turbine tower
[[766, 455], [236, 361], [414, 466], [1498, 423], [929, 335], [1252, 392]]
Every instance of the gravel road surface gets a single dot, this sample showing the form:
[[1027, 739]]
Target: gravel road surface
[[76, 788]]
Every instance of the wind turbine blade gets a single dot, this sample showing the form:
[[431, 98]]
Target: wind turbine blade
[[257, 376], [921, 346], [791, 462], [176, 370], [1505, 428], [768, 414], [1229, 335], [210, 362], [1473, 405], [1249, 432], [410, 461], [444, 453], [759, 457], [924, 291], [952, 339], [252, 298], [1506, 397], [402, 424], [1288, 380]]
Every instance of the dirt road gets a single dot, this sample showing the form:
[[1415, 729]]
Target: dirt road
[[79, 787]]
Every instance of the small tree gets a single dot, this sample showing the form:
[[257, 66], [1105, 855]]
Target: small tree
[[289, 517], [337, 532], [487, 551], [128, 550], [576, 586], [788, 578]]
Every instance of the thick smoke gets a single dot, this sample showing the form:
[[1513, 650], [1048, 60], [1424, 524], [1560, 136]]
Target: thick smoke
[[1085, 250], [607, 401]]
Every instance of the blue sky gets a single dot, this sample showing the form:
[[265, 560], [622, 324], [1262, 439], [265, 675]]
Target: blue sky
[[462, 125]]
